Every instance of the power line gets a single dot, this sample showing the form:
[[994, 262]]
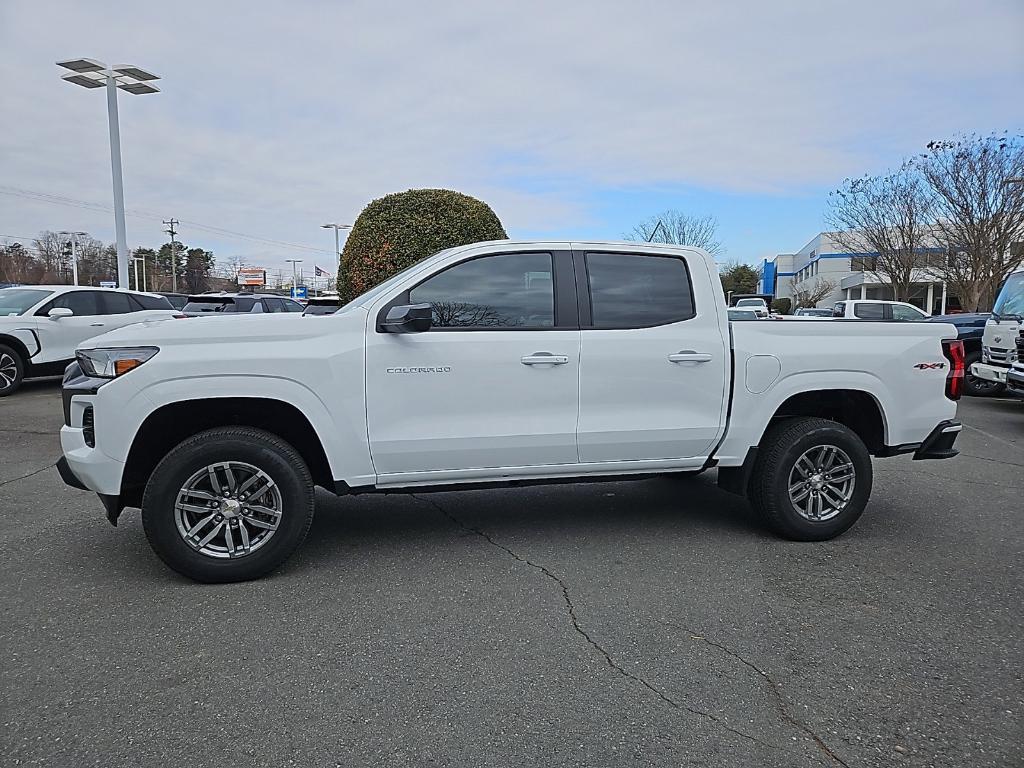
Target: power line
[[45, 197]]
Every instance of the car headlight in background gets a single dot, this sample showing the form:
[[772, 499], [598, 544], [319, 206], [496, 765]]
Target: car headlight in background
[[113, 362]]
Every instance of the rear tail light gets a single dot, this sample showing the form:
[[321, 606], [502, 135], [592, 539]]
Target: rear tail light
[[954, 351]]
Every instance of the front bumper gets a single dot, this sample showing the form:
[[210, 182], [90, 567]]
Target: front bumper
[[996, 373], [1015, 380], [112, 504], [84, 466]]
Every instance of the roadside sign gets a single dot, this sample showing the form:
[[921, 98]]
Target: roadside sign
[[252, 276], [299, 292], [108, 284]]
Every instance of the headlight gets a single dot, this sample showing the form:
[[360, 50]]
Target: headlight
[[113, 362]]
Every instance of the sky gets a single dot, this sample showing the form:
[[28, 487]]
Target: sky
[[571, 119]]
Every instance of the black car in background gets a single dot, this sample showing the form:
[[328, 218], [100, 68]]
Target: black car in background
[[178, 300], [322, 305], [970, 327], [213, 304]]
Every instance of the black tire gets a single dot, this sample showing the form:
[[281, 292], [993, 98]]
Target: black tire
[[12, 370], [979, 387], [255, 447], [782, 446]]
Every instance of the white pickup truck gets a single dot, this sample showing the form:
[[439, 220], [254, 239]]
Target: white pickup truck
[[497, 363]]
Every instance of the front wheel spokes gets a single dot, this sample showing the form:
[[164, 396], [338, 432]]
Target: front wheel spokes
[[209, 536], [214, 519], [199, 526]]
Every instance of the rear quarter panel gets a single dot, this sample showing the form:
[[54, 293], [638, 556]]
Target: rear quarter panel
[[878, 358]]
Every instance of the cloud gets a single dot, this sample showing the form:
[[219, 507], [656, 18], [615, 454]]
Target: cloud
[[275, 117]]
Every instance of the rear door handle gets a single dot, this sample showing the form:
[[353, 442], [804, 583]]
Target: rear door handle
[[689, 356], [544, 358]]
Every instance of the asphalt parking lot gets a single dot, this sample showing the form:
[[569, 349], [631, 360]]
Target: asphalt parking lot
[[649, 622]]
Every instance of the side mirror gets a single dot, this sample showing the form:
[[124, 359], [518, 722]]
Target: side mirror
[[58, 312], [408, 318]]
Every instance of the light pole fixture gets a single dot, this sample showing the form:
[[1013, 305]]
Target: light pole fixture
[[295, 283], [74, 252], [337, 246], [90, 73]]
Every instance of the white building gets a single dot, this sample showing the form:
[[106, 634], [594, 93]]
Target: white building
[[823, 259]]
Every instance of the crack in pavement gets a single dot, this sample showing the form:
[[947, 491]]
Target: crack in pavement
[[990, 436], [781, 702], [994, 461], [917, 472], [22, 477], [6, 430], [578, 627]]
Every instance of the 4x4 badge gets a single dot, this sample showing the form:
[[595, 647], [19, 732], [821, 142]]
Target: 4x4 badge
[[927, 366]]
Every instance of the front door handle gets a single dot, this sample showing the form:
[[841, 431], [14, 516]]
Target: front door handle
[[544, 358], [95, 325], [689, 356]]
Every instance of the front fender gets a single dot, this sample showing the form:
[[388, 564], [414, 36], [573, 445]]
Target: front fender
[[341, 429]]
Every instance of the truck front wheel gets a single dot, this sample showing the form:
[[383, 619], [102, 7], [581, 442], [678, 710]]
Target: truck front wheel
[[228, 504], [811, 480]]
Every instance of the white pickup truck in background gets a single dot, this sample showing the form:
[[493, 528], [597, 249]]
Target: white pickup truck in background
[[496, 363], [999, 350]]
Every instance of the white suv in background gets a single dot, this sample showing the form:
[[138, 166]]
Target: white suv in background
[[875, 309], [42, 325]]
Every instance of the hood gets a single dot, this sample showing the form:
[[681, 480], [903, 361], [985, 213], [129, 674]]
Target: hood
[[276, 327]]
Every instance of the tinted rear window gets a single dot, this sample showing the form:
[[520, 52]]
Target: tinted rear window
[[321, 309], [638, 291], [215, 305], [869, 311], [154, 302]]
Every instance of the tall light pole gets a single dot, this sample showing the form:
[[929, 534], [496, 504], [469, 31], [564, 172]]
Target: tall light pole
[[90, 73], [295, 283], [74, 252], [337, 245]]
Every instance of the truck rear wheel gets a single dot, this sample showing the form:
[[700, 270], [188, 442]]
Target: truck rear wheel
[[228, 504], [811, 480], [12, 370]]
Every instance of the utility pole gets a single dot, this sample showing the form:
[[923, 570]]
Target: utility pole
[[174, 253], [74, 252]]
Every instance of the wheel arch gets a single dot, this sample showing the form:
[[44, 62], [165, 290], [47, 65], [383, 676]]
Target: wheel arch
[[18, 346], [855, 408], [173, 422]]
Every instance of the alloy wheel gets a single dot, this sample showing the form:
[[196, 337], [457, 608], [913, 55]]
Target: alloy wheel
[[8, 370], [821, 483], [228, 510]]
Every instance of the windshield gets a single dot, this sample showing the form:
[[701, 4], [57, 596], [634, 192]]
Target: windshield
[[17, 301], [750, 303], [1011, 298]]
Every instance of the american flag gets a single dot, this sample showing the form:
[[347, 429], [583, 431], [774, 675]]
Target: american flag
[[320, 271]]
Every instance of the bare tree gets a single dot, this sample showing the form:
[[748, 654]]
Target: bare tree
[[449, 314], [980, 216], [889, 220], [680, 228], [809, 296], [53, 250]]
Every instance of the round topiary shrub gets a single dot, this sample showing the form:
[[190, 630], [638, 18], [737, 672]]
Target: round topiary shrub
[[395, 231]]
